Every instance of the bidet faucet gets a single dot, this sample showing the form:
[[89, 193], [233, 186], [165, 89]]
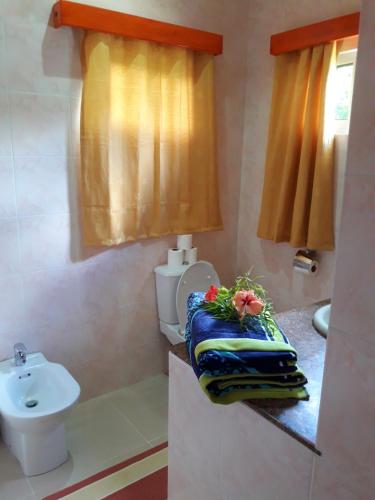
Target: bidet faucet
[[19, 354]]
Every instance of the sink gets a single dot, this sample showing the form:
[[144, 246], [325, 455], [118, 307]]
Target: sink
[[321, 319]]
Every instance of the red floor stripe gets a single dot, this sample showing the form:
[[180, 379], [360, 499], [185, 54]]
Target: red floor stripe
[[152, 487], [104, 473]]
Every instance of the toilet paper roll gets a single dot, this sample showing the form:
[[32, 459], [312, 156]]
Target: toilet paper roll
[[175, 257], [305, 263], [184, 241], [191, 255]]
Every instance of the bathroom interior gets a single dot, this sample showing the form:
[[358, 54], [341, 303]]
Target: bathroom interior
[[116, 204]]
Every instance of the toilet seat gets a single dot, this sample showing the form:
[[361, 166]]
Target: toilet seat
[[197, 278]]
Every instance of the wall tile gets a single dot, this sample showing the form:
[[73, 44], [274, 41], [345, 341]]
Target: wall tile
[[329, 482], [32, 10], [45, 241], [75, 115], [299, 13], [347, 410], [362, 133], [7, 192], [40, 124], [341, 149], [346, 417], [198, 14], [2, 55], [9, 248], [42, 185], [102, 294], [11, 313], [224, 456], [191, 474], [251, 432], [73, 182], [5, 127], [116, 299], [352, 309], [53, 313], [50, 58]]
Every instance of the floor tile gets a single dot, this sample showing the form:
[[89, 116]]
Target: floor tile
[[145, 405], [101, 432], [13, 483], [125, 456], [159, 440], [96, 432]]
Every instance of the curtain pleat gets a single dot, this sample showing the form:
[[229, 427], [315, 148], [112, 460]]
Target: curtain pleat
[[297, 201], [148, 162]]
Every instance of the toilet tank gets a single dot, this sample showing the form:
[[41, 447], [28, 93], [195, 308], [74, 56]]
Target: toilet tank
[[167, 279]]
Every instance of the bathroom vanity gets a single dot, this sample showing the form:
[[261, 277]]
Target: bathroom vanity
[[248, 450]]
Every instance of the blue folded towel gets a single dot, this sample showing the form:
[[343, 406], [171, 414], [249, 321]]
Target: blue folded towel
[[235, 362]]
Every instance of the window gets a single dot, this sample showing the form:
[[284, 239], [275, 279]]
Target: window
[[344, 89]]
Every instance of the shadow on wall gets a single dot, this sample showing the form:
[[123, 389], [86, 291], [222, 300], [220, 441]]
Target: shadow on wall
[[56, 66], [68, 66]]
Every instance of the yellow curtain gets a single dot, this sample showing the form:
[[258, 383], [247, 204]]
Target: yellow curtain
[[297, 203], [148, 165]]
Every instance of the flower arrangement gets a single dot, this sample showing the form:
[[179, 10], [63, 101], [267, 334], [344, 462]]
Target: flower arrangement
[[245, 300]]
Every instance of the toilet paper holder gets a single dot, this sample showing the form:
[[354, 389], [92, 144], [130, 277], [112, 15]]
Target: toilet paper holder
[[306, 261]]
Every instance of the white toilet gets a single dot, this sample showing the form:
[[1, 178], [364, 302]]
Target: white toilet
[[35, 399], [173, 287]]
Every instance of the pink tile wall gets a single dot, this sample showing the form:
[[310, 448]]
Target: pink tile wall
[[287, 288], [347, 416], [229, 452], [94, 311]]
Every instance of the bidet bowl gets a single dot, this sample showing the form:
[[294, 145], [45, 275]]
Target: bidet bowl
[[49, 385], [35, 399]]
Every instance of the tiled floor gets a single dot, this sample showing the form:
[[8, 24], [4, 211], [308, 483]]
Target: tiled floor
[[100, 432]]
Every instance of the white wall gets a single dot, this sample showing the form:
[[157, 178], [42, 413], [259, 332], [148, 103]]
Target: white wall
[[347, 411], [228, 452], [274, 261]]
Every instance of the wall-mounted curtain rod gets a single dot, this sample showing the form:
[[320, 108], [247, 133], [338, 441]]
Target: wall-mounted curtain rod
[[77, 15], [336, 28]]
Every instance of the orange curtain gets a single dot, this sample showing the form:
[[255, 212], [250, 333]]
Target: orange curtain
[[297, 202], [148, 162]]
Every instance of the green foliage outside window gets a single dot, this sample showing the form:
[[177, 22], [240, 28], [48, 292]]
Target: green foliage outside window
[[344, 77]]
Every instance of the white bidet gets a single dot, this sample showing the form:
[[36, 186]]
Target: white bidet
[[35, 399]]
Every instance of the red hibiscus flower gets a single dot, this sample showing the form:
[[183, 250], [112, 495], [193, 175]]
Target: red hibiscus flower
[[211, 293]]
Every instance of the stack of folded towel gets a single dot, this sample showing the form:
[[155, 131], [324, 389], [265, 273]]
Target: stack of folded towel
[[234, 363]]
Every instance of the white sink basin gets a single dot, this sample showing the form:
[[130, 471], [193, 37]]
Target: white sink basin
[[321, 319]]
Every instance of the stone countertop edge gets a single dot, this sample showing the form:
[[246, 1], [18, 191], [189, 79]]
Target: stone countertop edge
[[297, 418]]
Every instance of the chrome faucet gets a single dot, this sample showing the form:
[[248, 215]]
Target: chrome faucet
[[19, 354]]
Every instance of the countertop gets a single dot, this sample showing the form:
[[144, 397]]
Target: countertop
[[297, 418]]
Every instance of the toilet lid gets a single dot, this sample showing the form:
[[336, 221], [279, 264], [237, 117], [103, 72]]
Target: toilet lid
[[197, 278]]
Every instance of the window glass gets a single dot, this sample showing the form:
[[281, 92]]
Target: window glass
[[344, 90], [344, 78]]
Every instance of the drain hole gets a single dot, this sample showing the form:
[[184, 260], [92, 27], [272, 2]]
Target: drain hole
[[31, 404]]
